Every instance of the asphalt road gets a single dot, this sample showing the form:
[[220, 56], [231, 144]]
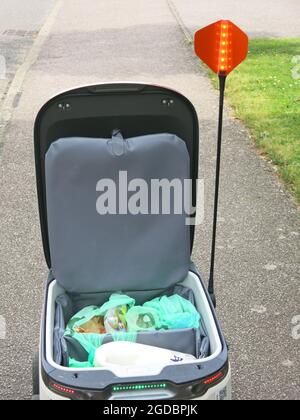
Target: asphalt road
[[258, 243]]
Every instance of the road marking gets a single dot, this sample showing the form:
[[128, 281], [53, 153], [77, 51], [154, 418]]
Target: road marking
[[7, 108]]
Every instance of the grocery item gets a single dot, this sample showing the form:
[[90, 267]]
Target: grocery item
[[87, 320], [93, 326], [115, 319], [92, 318]]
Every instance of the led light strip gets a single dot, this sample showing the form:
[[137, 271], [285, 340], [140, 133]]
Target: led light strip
[[138, 387], [224, 56]]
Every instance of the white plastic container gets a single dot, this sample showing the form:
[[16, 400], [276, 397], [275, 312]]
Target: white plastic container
[[129, 355]]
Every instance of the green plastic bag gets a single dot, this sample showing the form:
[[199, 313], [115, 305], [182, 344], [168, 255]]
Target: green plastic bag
[[116, 300], [91, 341], [140, 318], [90, 312], [174, 312]]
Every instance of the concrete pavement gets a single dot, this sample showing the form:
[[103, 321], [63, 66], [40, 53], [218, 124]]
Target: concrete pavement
[[19, 26], [260, 19], [258, 242]]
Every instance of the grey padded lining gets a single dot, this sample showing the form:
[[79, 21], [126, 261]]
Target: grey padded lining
[[93, 253]]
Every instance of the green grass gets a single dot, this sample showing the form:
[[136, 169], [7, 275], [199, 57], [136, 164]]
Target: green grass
[[266, 97]]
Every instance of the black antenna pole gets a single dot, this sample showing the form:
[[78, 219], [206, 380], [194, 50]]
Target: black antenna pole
[[222, 81]]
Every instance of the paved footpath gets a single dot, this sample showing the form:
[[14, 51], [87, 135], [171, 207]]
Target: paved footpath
[[261, 19], [20, 23], [258, 242]]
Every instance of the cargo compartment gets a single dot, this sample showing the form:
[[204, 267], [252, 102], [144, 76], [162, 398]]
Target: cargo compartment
[[203, 343]]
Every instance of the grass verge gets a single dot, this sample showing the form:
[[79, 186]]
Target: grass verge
[[265, 93]]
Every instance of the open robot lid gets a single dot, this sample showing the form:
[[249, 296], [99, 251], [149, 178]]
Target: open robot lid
[[90, 113]]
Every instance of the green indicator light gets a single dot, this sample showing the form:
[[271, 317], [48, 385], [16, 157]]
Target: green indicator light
[[138, 387]]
